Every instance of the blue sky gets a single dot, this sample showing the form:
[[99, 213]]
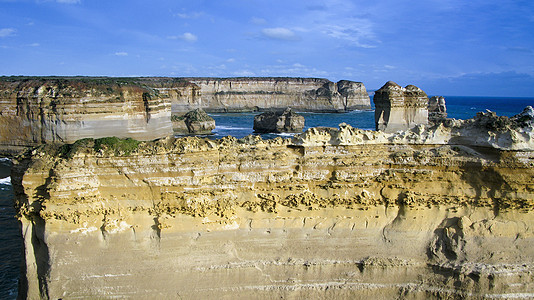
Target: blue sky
[[448, 47]]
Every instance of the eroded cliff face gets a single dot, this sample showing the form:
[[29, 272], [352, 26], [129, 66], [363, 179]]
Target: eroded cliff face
[[38, 110], [332, 213], [300, 94]]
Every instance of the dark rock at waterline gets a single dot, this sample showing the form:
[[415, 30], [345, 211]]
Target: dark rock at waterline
[[194, 122], [277, 122]]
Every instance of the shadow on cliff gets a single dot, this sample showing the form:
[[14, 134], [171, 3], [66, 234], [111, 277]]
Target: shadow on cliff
[[487, 183], [38, 228]]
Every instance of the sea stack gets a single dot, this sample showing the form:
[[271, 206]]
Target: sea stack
[[398, 108], [437, 111], [194, 122], [278, 122]]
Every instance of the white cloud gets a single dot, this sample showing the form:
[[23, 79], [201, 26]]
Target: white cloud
[[230, 60], [356, 31], [279, 33], [5, 32], [34, 45], [188, 37], [121, 53]]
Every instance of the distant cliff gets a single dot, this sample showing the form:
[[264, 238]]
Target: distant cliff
[[35, 110], [266, 93]]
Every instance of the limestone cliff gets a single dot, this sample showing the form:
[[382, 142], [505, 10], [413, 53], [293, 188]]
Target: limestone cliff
[[35, 110], [333, 213], [267, 93], [43, 110]]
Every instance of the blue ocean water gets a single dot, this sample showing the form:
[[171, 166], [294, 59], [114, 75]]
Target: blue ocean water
[[238, 125], [10, 237]]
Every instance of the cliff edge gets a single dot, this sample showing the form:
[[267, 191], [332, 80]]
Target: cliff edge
[[37, 110], [431, 212]]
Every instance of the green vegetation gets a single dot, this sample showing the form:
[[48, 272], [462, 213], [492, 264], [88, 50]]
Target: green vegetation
[[68, 150], [119, 146], [175, 118]]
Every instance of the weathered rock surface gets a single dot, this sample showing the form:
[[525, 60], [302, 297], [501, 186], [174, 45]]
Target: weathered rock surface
[[486, 129], [194, 122], [35, 110], [398, 108], [333, 213], [286, 121], [437, 110], [268, 93]]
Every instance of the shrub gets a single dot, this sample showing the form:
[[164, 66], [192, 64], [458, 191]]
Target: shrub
[[118, 146]]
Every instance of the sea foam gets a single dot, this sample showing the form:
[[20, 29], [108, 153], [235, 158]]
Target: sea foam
[[5, 181]]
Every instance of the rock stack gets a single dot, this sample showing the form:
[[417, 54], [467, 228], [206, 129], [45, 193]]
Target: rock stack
[[194, 122], [277, 122], [437, 111], [398, 108]]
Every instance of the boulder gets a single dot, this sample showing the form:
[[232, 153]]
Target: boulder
[[437, 111], [277, 122], [194, 122], [398, 108]]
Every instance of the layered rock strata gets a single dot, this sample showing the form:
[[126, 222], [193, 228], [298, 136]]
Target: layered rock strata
[[398, 108], [194, 122], [333, 213], [268, 93], [36, 110], [277, 122]]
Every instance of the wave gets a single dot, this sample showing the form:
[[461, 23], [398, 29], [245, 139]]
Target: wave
[[4, 159], [285, 134], [231, 128], [6, 180]]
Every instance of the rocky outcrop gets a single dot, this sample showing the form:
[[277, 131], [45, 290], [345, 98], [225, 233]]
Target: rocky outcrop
[[194, 122], [398, 108], [486, 129], [277, 122], [332, 213], [268, 93], [437, 111], [35, 110]]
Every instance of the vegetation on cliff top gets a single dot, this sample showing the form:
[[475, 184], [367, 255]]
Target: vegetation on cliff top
[[115, 145]]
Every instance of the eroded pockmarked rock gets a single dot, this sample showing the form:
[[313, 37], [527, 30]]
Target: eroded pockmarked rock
[[335, 213], [398, 108]]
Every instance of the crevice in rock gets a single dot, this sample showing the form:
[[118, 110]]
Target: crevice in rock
[[42, 256]]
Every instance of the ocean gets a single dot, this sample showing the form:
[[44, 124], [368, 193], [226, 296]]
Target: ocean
[[238, 125]]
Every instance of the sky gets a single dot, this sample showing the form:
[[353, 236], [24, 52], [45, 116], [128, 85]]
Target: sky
[[445, 47]]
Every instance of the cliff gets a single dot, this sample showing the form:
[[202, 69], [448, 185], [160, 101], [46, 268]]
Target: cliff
[[267, 93], [36, 110], [333, 213], [47, 110]]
